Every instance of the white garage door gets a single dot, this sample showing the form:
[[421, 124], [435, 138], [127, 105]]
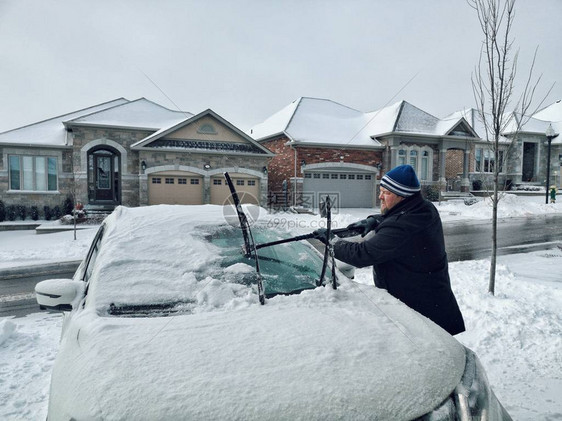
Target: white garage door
[[175, 188], [350, 189]]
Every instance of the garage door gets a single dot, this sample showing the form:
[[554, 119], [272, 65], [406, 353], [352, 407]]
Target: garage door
[[175, 188], [247, 187], [350, 189]]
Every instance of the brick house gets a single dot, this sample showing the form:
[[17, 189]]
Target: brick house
[[132, 153], [323, 147]]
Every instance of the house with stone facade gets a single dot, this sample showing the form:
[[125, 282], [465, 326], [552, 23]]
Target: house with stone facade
[[131, 153], [326, 148]]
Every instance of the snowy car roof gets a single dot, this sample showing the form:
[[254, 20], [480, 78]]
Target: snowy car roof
[[321, 354]]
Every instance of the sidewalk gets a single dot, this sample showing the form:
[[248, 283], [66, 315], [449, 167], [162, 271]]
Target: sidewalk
[[40, 269]]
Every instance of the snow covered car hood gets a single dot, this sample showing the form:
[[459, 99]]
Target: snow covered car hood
[[354, 353]]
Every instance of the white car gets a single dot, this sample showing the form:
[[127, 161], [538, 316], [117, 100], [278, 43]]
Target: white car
[[163, 322]]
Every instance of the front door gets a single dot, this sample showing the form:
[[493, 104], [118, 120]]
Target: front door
[[103, 177]]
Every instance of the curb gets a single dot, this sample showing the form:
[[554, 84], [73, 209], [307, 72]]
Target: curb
[[35, 270]]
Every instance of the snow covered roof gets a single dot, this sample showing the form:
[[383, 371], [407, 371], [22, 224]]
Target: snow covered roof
[[51, 132], [553, 112], [248, 144], [317, 121], [140, 113], [325, 122]]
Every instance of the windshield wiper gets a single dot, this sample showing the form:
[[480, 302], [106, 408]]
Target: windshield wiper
[[249, 243], [139, 310]]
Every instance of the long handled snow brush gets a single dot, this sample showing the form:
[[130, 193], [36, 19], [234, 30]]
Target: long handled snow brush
[[341, 232]]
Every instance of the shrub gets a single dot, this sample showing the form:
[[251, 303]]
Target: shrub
[[48, 213], [67, 206], [477, 185], [11, 212], [2, 212], [431, 193], [34, 211], [22, 212], [57, 212]]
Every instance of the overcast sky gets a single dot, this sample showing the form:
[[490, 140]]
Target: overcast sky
[[247, 59]]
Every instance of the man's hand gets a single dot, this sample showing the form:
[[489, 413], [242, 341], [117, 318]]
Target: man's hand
[[365, 226], [322, 235]]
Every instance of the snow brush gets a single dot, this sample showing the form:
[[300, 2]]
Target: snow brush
[[341, 233]]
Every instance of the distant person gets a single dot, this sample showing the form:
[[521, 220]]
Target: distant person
[[408, 250]]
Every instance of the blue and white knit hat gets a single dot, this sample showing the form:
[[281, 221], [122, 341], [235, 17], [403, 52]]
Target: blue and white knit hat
[[401, 180]]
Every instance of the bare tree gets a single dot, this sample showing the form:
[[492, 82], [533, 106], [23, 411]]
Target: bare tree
[[493, 83]]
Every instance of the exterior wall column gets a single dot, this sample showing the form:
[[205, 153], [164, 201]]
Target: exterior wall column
[[393, 157], [206, 189], [442, 162], [465, 183]]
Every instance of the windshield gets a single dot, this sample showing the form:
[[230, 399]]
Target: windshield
[[199, 269], [285, 268]]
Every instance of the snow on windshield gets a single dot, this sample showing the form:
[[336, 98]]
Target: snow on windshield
[[191, 258]]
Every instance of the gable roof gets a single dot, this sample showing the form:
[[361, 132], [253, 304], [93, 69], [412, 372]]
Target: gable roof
[[319, 122], [138, 114], [51, 132], [250, 146], [552, 112], [324, 122]]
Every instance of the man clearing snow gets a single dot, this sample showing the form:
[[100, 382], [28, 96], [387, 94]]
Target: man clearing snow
[[408, 251]]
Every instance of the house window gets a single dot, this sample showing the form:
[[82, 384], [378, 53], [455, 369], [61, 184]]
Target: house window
[[251, 182], [420, 158], [182, 180], [156, 180], [316, 175], [367, 176], [239, 182], [343, 176], [195, 181], [360, 176], [217, 182], [351, 176], [402, 157], [485, 160], [325, 176], [307, 175], [334, 176], [169, 181], [33, 173]]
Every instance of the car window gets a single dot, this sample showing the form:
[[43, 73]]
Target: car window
[[285, 268]]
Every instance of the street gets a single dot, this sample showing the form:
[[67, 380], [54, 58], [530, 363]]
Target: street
[[464, 241]]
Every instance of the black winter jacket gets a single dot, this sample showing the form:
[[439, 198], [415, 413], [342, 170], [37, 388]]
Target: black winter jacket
[[409, 260]]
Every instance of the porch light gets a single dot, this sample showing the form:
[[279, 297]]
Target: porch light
[[264, 170], [207, 166], [143, 166], [303, 163]]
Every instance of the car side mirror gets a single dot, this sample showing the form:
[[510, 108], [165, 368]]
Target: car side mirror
[[58, 294]]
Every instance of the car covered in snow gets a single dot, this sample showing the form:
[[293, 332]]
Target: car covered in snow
[[162, 321]]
